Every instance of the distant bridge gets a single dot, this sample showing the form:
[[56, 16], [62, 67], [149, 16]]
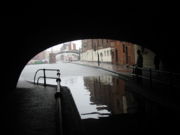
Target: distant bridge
[[73, 51], [52, 56]]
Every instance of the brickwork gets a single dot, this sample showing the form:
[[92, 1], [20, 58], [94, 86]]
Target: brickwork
[[123, 53]]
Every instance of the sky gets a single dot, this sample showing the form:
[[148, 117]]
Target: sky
[[56, 47]]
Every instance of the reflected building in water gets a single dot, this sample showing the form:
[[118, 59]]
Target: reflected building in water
[[110, 92]]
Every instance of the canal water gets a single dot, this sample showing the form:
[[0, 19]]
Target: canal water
[[97, 93], [99, 96]]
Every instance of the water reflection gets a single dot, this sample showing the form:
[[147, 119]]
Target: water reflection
[[96, 93], [108, 93], [100, 96]]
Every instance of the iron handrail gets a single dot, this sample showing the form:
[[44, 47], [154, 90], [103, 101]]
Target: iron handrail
[[57, 95], [44, 71], [36, 74], [46, 77]]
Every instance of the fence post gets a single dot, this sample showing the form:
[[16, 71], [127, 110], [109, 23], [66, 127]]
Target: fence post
[[44, 71], [150, 76]]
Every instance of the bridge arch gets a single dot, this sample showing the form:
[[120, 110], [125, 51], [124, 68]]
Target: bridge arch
[[148, 32], [77, 52]]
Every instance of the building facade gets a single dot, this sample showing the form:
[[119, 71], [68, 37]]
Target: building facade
[[107, 51], [123, 53], [96, 49]]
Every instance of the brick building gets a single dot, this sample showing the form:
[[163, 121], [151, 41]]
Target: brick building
[[68, 46], [109, 51], [95, 44], [122, 53]]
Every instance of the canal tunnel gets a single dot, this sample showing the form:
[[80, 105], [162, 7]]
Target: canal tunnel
[[30, 36], [42, 34]]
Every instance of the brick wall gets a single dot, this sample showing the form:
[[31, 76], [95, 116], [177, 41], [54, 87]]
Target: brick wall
[[123, 53]]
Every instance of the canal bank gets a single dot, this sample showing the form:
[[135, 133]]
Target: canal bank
[[32, 110], [121, 70]]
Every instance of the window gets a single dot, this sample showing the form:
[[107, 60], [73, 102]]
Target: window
[[123, 48]]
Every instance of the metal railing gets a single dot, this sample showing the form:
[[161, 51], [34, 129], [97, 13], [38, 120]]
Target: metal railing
[[157, 76], [44, 75], [57, 95]]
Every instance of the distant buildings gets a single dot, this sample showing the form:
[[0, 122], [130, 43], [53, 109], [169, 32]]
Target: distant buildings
[[99, 51], [114, 52], [107, 51], [40, 58], [66, 47], [95, 50]]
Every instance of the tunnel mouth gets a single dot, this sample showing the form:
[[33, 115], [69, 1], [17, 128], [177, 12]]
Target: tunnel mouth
[[98, 68], [95, 51]]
